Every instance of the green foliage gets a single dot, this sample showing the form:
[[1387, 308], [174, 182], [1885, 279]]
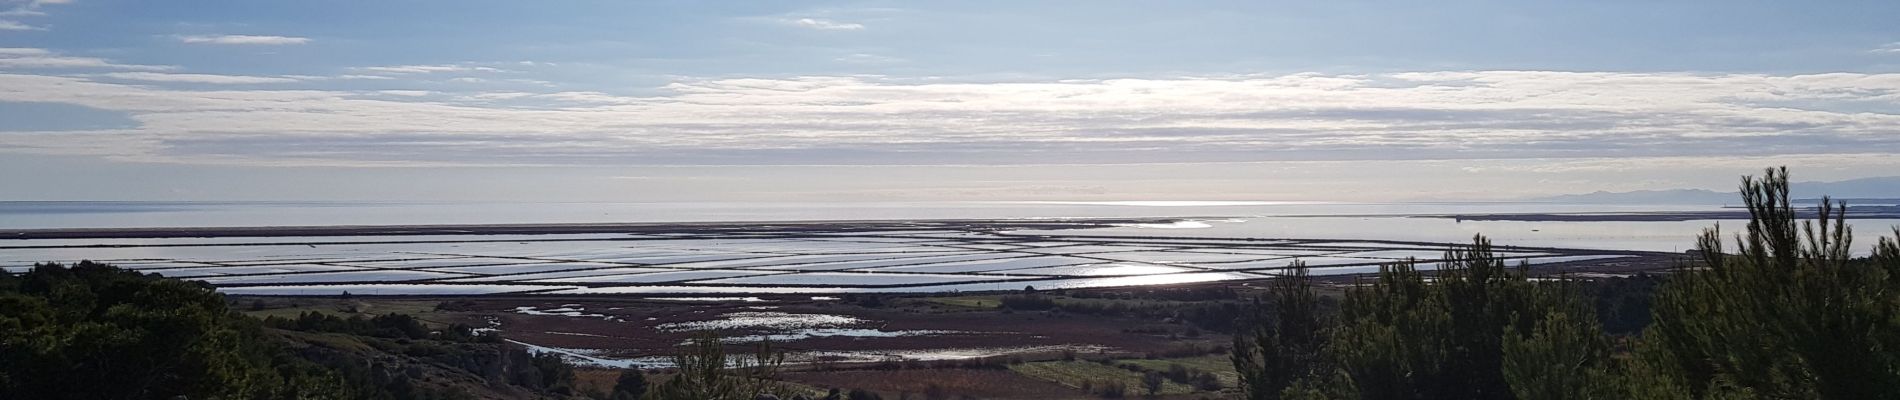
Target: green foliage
[[1787, 315], [93, 331], [391, 326], [1285, 346], [1152, 382], [631, 385], [861, 394], [707, 372], [1565, 357], [1026, 302], [1407, 337]]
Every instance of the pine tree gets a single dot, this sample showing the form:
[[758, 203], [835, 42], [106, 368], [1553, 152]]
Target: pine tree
[[1788, 315], [631, 385], [1283, 347]]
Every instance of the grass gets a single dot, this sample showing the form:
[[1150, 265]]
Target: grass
[[291, 308], [967, 301], [343, 342], [1075, 373], [1220, 365], [992, 301], [954, 383]]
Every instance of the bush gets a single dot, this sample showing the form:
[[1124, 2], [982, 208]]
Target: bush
[[631, 385], [1178, 373], [1152, 381], [1207, 381], [861, 394], [1112, 389], [1027, 302]]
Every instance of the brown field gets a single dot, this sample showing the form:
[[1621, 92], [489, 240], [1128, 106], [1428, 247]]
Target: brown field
[[952, 383], [1025, 354]]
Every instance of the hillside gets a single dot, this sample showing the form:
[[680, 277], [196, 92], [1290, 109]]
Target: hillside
[[68, 332]]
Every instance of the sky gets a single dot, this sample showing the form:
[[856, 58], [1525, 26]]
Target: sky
[[936, 101]]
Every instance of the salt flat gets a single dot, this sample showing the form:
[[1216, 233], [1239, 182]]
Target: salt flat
[[841, 257]]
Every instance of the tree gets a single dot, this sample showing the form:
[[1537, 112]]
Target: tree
[[1152, 381], [1476, 330], [95, 331], [631, 385], [1283, 347], [861, 394], [707, 373], [1789, 314], [66, 332], [1565, 357]]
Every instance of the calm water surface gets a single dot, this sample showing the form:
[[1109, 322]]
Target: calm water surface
[[1224, 219]]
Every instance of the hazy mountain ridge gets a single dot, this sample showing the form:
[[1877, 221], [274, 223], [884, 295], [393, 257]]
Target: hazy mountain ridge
[[1886, 187]]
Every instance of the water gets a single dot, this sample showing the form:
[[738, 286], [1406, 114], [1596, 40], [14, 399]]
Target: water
[[1234, 219]]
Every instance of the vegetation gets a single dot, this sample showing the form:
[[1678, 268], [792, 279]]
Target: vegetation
[[706, 372], [1788, 314], [632, 385], [66, 332], [1103, 379], [1212, 309]]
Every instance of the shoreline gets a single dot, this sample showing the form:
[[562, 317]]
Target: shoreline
[[807, 226]]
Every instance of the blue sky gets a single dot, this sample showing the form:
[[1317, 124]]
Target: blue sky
[[977, 100]]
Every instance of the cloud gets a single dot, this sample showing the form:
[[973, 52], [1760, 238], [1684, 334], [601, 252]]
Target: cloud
[[427, 69], [370, 77], [24, 9], [32, 58], [874, 121], [824, 24], [338, 77], [243, 40], [198, 78], [16, 26], [865, 58], [1890, 48]]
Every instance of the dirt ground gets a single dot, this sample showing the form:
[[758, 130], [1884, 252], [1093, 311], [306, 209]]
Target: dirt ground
[[623, 328]]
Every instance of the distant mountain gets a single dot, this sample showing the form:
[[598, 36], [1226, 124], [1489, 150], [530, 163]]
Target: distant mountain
[[1886, 187], [1672, 196]]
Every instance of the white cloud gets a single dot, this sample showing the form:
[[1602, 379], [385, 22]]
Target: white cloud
[[338, 77], [824, 24], [427, 69], [1890, 48], [31, 58], [865, 58], [26, 9], [17, 26], [198, 78], [870, 120], [243, 40], [406, 93]]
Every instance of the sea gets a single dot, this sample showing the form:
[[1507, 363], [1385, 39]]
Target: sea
[[1403, 221]]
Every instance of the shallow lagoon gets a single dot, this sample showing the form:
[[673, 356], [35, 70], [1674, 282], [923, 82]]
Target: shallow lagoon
[[874, 260], [1340, 238]]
